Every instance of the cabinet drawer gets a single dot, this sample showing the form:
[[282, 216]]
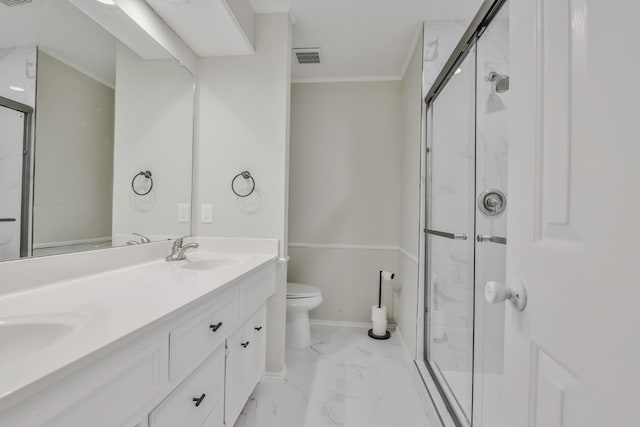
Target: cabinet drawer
[[191, 403], [194, 340], [254, 292]]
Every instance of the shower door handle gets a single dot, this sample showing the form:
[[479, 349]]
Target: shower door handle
[[452, 236], [493, 239]]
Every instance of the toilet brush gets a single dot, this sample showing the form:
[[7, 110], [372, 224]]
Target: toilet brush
[[379, 313]]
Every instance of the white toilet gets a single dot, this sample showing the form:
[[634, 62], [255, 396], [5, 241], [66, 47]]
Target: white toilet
[[300, 299]]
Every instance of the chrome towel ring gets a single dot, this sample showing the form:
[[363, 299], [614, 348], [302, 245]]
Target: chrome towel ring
[[246, 175], [147, 175]]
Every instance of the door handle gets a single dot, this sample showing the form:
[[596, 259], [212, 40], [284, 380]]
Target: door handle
[[215, 327], [496, 292], [244, 344], [452, 236], [493, 239], [7, 220]]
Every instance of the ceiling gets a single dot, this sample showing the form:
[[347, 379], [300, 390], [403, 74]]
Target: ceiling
[[361, 39], [54, 26]]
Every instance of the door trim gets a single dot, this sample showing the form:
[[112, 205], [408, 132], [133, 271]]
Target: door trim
[[25, 224]]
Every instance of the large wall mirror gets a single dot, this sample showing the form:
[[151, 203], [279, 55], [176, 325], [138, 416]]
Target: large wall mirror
[[96, 131]]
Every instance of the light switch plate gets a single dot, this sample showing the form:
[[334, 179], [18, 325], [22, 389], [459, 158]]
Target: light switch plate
[[183, 212], [206, 213]]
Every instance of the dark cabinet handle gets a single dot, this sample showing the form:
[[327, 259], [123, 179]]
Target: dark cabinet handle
[[244, 344], [199, 400], [259, 328], [214, 328]]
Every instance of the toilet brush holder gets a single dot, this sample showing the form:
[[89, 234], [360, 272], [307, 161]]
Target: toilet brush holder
[[379, 312]]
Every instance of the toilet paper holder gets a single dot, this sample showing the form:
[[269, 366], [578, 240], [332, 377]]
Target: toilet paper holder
[[379, 313]]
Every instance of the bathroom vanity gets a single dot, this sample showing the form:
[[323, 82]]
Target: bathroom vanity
[[175, 344]]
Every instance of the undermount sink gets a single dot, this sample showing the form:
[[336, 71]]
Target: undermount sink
[[210, 264], [23, 336]]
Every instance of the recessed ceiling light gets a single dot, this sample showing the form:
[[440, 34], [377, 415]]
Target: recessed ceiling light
[[458, 71], [16, 88], [107, 2]]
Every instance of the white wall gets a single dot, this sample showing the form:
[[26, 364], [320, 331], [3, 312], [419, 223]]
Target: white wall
[[406, 300], [344, 191], [153, 131], [73, 177], [243, 124]]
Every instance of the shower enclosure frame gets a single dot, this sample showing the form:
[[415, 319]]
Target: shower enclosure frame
[[25, 209], [447, 412]]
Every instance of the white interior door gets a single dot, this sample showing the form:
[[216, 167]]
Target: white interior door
[[572, 356], [11, 159]]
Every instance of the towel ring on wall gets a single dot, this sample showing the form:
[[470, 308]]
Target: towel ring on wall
[[245, 175], [147, 175]]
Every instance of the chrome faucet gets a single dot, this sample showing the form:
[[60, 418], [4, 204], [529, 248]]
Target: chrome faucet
[[178, 251], [143, 239]]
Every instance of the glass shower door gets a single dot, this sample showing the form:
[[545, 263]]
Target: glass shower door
[[450, 237], [491, 224]]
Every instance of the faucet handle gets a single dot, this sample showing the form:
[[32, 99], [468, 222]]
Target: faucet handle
[[177, 243]]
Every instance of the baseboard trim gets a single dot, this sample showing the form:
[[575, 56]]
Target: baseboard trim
[[346, 324], [429, 405], [275, 376], [323, 322], [409, 255]]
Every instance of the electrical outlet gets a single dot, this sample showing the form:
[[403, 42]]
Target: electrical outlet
[[206, 213], [183, 212]]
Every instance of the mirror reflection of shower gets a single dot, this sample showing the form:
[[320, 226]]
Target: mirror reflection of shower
[[500, 85], [501, 81]]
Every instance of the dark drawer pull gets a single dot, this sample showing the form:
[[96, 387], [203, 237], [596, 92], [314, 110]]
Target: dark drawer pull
[[259, 328], [7, 220], [244, 344], [214, 328], [199, 400]]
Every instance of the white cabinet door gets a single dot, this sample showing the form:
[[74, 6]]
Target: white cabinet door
[[215, 419], [246, 350], [238, 372], [571, 357], [259, 343]]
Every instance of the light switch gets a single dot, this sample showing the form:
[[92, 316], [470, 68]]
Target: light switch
[[206, 213], [183, 212]]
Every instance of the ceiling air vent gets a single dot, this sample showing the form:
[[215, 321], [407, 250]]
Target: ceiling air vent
[[309, 55], [15, 2]]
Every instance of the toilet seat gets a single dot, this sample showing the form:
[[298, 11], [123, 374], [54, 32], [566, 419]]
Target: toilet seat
[[299, 291]]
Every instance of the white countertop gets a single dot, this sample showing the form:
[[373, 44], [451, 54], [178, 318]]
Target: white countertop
[[109, 306]]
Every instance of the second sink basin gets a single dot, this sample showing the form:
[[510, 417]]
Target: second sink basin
[[23, 336]]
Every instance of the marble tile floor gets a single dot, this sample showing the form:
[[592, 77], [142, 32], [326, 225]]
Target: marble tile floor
[[345, 379]]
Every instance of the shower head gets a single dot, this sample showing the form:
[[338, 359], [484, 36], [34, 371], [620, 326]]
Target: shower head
[[501, 81], [502, 85]]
